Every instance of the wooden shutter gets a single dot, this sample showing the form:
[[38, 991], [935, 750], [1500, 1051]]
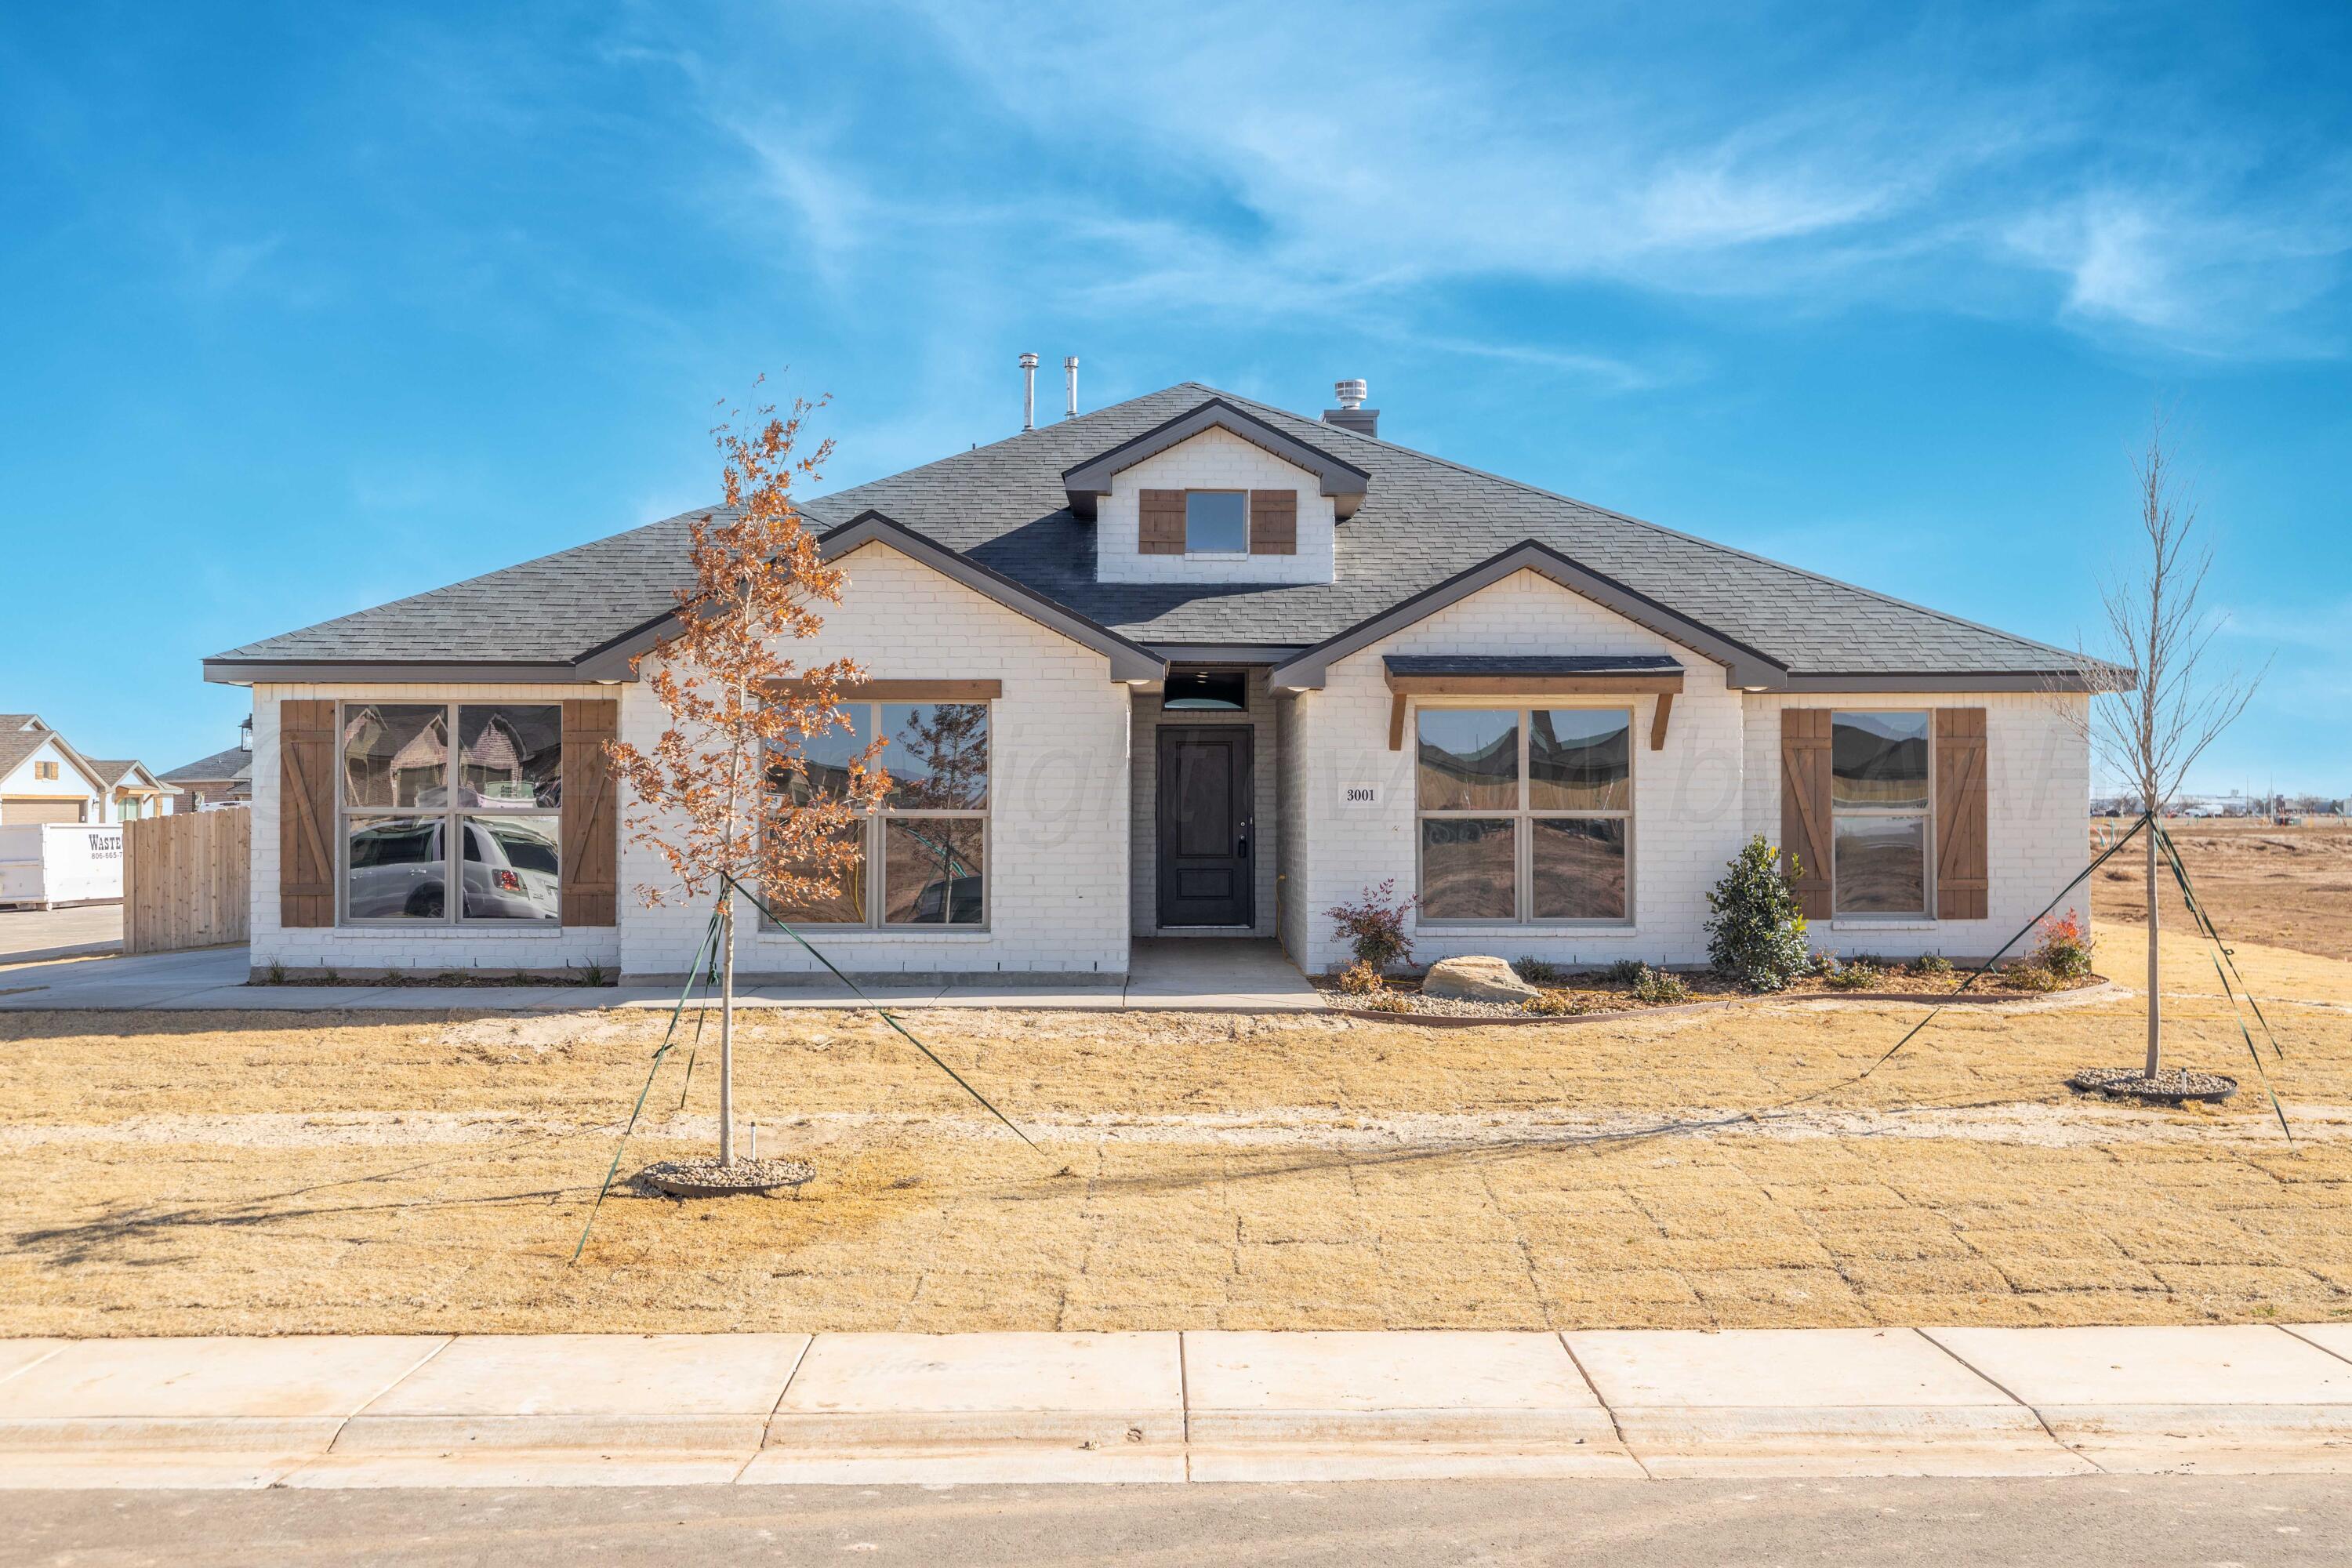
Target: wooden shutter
[[1962, 887], [1805, 807], [1274, 523], [1161, 522], [306, 813], [591, 818]]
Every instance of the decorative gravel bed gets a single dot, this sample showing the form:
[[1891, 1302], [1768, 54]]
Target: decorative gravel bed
[[2170, 1086], [707, 1178], [1591, 996]]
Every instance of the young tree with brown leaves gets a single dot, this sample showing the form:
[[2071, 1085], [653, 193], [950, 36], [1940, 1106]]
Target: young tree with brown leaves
[[2149, 735], [726, 795]]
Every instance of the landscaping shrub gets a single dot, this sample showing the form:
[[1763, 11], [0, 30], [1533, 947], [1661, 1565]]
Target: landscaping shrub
[[1557, 1004], [2031, 976], [1386, 1001], [1757, 933], [1934, 964], [1537, 971], [1858, 974], [1657, 986], [1361, 979], [1374, 926], [2062, 950], [1625, 972]]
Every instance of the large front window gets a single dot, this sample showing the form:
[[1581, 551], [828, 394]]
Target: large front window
[[427, 785], [1524, 813], [1878, 806], [929, 834]]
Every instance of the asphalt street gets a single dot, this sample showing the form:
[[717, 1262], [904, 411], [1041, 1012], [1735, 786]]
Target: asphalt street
[[2138, 1521]]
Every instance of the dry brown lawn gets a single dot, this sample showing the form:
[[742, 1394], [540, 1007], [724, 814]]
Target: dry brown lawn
[[2287, 887], [175, 1174]]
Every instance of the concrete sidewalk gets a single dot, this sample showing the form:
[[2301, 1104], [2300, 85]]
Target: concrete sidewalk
[[1199, 1406], [1166, 975]]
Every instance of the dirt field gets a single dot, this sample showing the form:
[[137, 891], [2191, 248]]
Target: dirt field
[[227, 1174], [2288, 887]]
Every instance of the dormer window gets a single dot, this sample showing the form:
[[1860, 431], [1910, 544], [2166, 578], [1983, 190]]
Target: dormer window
[[1216, 522]]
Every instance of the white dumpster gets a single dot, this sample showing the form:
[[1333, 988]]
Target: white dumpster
[[48, 864]]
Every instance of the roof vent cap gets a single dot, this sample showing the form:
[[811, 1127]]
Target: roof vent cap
[[1351, 414]]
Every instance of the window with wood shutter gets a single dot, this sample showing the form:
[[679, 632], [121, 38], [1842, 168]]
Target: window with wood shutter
[[1963, 888], [306, 813], [1805, 807], [1274, 523], [591, 831], [1161, 522]]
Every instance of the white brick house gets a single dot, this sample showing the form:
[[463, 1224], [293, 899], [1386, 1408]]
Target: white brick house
[[1208, 668]]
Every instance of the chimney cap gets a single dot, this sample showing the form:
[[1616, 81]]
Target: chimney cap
[[1350, 394], [1028, 362]]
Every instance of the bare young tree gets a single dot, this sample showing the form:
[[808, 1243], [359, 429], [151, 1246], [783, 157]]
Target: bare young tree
[[2147, 736]]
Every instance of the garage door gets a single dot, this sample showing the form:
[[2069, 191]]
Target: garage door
[[13, 812]]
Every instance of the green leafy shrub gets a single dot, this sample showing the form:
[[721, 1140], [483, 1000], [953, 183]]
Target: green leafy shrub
[[2063, 949], [1857, 974], [1934, 964], [1557, 1004], [1625, 972], [1657, 986], [1537, 971], [1757, 933], [1361, 979], [1374, 926]]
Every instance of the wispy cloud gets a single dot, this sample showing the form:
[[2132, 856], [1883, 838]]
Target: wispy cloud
[[1253, 158]]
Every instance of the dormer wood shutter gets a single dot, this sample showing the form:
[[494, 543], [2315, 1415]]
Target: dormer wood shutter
[[1274, 523], [1161, 522]]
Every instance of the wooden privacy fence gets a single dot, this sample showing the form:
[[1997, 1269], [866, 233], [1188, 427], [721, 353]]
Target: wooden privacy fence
[[186, 879]]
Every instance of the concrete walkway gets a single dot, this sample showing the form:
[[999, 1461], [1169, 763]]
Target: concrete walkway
[[1200, 1405], [1218, 974]]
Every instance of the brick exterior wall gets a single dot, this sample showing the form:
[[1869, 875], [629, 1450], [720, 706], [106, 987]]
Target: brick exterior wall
[[2037, 806], [1056, 852], [360, 950], [1144, 794], [1215, 460], [1695, 802]]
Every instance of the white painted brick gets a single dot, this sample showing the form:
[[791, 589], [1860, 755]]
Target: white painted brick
[[1213, 459], [1058, 825]]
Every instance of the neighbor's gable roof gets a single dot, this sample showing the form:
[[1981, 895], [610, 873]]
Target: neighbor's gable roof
[[236, 763], [1423, 520], [19, 740], [112, 771]]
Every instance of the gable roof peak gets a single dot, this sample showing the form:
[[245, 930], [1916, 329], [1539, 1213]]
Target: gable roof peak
[[1343, 481]]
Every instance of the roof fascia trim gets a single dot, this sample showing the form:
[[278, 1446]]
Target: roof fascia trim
[[249, 672], [1335, 477], [1743, 666], [1946, 680], [1129, 660]]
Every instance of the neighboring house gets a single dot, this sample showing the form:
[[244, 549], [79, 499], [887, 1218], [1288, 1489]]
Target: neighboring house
[[225, 777], [1190, 665], [132, 792], [44, 779]]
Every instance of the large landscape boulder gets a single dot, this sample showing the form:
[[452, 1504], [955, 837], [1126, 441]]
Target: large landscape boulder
[[1476, 980]]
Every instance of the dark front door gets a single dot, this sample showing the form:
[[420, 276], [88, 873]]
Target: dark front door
[[1206, 827]]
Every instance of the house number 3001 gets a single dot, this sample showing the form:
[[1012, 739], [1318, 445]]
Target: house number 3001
[[1360, 794]]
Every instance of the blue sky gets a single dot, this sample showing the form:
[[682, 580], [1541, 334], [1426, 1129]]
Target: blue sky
[[310, 308]]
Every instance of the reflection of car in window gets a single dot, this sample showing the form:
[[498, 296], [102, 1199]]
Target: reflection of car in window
[[960, 895], [398, 869]]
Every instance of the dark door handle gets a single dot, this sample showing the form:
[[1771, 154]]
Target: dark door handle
[[1241, 847]]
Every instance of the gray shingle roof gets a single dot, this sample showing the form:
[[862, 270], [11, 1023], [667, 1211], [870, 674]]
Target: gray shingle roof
[[232, 764], [1423, 521]]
